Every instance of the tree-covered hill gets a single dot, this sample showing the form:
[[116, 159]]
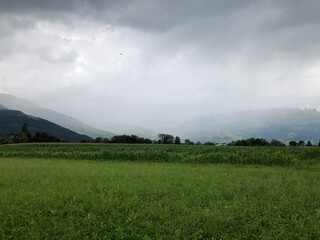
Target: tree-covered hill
[[2, 107], [12, 120], [63, 120]]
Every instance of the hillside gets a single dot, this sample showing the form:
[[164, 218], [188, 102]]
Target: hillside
[[121, 128], [12, 120], [2, 107], [63, 120], [285, 124]]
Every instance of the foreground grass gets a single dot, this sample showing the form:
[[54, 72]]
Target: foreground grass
[[69, 199]]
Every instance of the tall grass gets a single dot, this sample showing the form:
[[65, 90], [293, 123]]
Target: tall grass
[[68, 199], [283, 156]]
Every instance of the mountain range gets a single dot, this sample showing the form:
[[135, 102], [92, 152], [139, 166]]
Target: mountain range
[[110, 129], [63, 120], [12, 121], [284, 124]]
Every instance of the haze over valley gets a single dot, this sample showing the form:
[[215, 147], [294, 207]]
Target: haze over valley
[[286, 124], [202, 70]]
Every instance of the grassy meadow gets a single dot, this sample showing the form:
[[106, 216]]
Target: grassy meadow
[[121, 192]]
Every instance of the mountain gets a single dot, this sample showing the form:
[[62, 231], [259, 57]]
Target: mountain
[[285, 124], [12, 121], [71, 123], [121, 128], [2, 107]]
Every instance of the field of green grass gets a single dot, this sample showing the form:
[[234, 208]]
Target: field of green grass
[[283, 156], [48, 196]]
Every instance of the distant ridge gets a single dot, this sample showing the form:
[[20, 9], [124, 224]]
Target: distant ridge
[[285, 124], [14, 103], [121, 128], [2, 107], [12, 121]]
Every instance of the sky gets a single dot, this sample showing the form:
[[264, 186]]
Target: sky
[[154, 63]]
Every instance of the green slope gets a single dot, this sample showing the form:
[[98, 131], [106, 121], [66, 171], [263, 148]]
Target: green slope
[[63, 120], [12, 120]]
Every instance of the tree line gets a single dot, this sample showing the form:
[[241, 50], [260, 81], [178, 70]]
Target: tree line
[[25, 137], [134, 139], [263, 142]]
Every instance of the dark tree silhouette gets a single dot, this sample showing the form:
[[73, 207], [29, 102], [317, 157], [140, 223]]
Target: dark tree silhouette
[[177, 140], [293, 143], [309, 144], [165, 138], [277, 143]]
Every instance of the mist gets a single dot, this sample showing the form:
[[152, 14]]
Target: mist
[[155, 63]]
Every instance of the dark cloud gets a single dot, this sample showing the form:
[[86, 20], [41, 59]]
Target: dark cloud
[[60, 10], [164, 15], [191, 55], [149, 15], [293, 13], [30, 6]]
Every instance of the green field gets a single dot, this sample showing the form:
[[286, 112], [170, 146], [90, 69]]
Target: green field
[[283, 156], [47, 193]]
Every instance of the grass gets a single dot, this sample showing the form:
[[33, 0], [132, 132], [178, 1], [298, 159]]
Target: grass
[[70, 199], [283, 156]]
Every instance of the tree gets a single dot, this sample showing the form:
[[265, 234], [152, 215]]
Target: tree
[[23, 138], [44, 137], [165, 138], [148, 141], [250, 142], [120, 139], [198, 143], [133, 139], [293, 143], [177, 140], [26, 133], [98, 140], [275, 142], [260, 142], [309, 144], [301, 143], [10, 138], [188, 142], [319, 144], [24, 128]]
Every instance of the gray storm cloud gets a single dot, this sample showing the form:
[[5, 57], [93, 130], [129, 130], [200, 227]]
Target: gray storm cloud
[[179, 58]]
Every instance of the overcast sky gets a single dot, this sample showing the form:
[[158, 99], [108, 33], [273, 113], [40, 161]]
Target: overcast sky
[[156, 63]]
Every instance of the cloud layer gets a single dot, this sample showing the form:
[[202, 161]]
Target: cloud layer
[[154, 63]]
